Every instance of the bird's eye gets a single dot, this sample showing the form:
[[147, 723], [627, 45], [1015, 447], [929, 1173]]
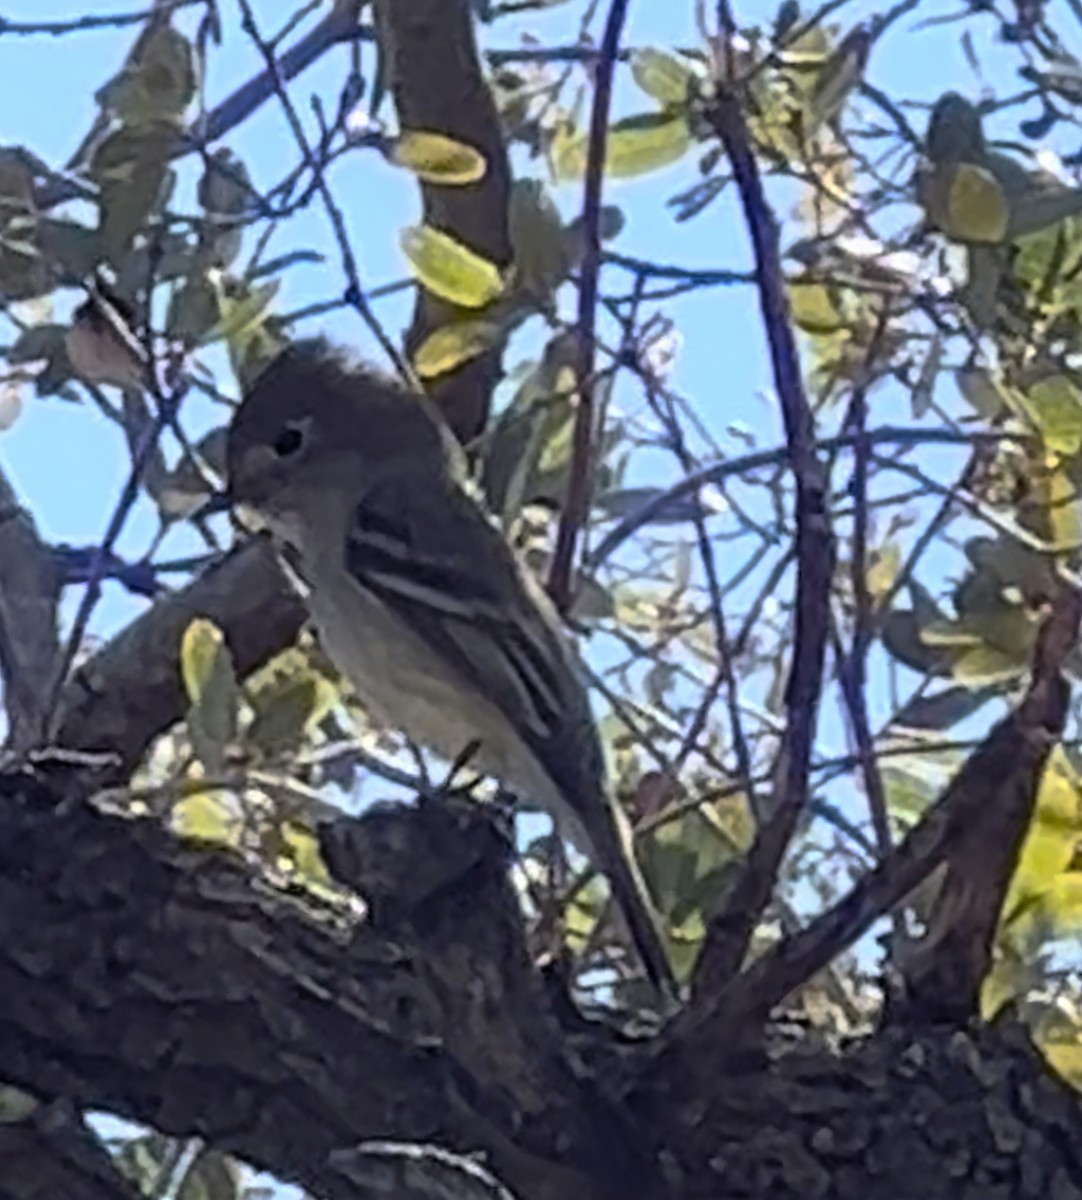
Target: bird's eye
[[289, 441]]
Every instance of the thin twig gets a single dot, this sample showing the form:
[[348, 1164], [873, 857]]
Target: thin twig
[[776, 456], [580, 484], [355, 295], [81, 24], [730, 935], [853, 668]]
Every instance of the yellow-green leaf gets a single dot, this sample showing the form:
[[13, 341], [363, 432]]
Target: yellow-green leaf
[[302, 847], [449, 269], [813, 309], [662, 76], [1048, 850], [211, 685], [883, 570], [977, 208], [984, 664], [212, 817], [635, 146], [841, 72], [450, 346], [285, 708], [1056, 409], [436, 158], [240, 309]]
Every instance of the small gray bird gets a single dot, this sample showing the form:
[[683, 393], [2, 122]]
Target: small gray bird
[[421, 602]]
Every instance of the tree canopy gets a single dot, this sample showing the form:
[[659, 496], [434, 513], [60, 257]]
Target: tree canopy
[[763, 353]]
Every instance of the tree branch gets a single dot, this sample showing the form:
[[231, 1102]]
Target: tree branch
[[435, 76]]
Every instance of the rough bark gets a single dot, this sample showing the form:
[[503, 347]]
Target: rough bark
[[175, 986]]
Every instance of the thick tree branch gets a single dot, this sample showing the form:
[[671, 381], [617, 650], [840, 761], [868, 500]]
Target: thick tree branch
[[131, 691], [51, 1152], [435, 77], [29, 638], [171, 986]]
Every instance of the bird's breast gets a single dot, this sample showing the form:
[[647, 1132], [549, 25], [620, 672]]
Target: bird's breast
[[405, 685]]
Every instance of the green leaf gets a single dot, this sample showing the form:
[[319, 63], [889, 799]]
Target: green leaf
[[987, 396], [543, 258], [226, 194], [186, 487], [834, 84], [814, 309], [1050, 846], [211, 685], [16, 1105], [448, 347], [157, 84], [539, 413], [193, 309], [24, 273], [635, 146], [213, 818], [942, 709], [1039, 208], [436, 158], [241, 308], [286, 706], [924, 389], [1056, 408], [982, 665], [211, 1174], [449, 269], [130, 167], [37, 343], [902, 635], [71, 249], [663, 76]]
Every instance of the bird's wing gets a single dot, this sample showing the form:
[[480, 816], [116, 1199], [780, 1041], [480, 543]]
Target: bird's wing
[[472, 605]]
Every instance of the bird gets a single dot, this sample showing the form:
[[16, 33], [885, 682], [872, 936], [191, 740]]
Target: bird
[[421, 602]]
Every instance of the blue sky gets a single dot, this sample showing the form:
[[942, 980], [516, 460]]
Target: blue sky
[[47, 86], [69, 464]]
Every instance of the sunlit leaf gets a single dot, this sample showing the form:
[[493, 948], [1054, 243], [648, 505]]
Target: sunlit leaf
[[240, 309], [211, 684], [437, 158], [635, 146], [979, 210], [663, 76], [814, 309], [1055, 405], [448, 347], [883, 570], [302, 846], [449, 269], [212, 817]]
